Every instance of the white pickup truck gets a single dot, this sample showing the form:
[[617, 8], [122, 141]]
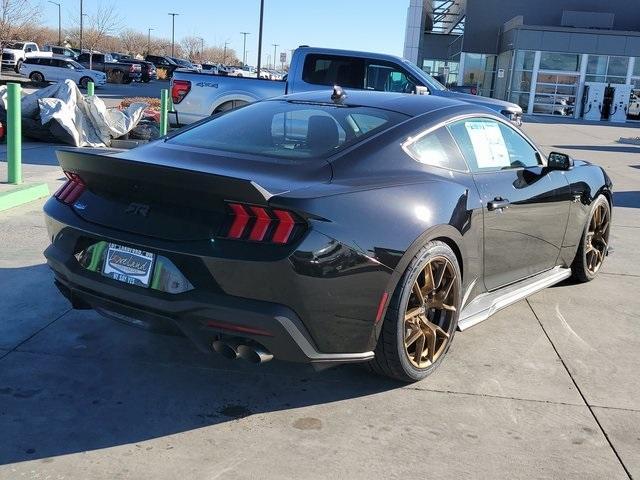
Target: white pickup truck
[[14, 53], [196, 95]]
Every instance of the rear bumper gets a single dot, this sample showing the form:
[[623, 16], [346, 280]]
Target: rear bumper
[[201, 318], [210, 312]]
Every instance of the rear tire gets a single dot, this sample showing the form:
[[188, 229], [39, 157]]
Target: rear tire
[[36, 77], [412, 345], [594, 242]]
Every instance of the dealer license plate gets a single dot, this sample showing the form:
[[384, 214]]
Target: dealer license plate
[[128, 265]]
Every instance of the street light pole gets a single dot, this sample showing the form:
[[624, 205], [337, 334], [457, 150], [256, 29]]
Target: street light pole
[[201, 48], [149, 41], [275, 46], [260, 35], [81, 21], [244, 48], [173, 33], [59, 22], [224, 55]]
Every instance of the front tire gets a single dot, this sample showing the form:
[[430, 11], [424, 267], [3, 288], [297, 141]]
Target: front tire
[[422, 316], [18, 65], [84, 82], [594, 243]]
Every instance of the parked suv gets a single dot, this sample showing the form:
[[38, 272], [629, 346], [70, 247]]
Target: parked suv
[[59, 69], [116, 72]]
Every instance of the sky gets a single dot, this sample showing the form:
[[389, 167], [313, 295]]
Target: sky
[[370, 25]]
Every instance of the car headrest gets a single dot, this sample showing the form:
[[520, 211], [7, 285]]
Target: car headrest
[[322, 134]]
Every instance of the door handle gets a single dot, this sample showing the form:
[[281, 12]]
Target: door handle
[[498, 203]]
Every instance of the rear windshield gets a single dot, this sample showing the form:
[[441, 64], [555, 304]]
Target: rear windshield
[[288, 130]]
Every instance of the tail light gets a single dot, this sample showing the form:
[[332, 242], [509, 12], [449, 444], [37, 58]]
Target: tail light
[[71, 190], [262, 224], [179, 90]]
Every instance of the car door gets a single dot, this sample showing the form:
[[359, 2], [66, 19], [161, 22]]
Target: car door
[[58, 70], [525, 213], [44, 67]]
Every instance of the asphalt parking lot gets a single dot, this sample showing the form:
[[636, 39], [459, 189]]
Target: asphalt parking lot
[[547, 388]]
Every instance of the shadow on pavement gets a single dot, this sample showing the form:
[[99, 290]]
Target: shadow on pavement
[[64, 392], [626, 199]]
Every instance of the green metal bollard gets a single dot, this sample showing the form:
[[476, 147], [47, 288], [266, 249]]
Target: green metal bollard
[[164, 105], [90, 89], [14, 134]]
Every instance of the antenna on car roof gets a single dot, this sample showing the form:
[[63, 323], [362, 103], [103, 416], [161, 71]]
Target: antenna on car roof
[[338, 94]]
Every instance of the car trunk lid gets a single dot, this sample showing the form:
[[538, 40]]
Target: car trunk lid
[[178, 193]]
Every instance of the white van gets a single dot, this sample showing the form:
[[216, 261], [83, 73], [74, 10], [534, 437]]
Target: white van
[[59, 69]]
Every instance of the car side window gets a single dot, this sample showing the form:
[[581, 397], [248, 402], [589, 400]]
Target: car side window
[[489, 145], [333, 70], [386, 77], [437, 149]]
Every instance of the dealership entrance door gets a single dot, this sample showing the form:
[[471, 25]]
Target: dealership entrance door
[[555, 93]]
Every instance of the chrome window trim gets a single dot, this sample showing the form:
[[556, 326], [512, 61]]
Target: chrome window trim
[[445, 123]]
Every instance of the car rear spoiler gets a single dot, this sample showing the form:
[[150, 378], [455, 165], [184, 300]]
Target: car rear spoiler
[[107, 172]]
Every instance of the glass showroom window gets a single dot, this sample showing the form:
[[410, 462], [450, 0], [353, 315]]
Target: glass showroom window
[[438, 68], [521, 80], [488, 85], [560, 62], [602, 68], [557, 84]]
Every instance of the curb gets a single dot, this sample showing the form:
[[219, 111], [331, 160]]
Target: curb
[[22, 194]]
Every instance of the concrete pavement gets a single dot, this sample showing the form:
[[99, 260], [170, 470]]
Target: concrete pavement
[[547, 388]]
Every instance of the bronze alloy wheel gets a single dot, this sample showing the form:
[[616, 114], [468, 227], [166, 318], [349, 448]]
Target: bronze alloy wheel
[[597, 240], [430, 316]]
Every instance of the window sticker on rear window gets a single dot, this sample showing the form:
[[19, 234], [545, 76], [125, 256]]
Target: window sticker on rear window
[[488, 144]]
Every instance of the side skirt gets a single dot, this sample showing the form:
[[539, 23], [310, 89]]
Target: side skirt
[[487, 304]]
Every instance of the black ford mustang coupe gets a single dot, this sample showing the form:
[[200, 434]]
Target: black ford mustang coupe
[[326, 228]]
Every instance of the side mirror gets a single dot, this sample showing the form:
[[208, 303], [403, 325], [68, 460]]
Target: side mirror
[[421, 90], [559, 161]]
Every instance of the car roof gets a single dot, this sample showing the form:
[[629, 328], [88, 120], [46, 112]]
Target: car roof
[[405, 103]]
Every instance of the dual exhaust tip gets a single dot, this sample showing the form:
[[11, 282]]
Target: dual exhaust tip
[[235, 349]]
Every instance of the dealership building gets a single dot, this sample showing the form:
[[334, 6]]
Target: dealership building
[[577, 58]]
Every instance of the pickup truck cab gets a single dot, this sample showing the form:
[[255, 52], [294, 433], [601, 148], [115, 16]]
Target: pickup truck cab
[[116, 72], [15, 53], [196, 96]]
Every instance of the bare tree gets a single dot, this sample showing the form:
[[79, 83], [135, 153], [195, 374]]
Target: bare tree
[[40, 34], [133, 42], [102, 24], [192, 48], [219, 55], [15, 17]]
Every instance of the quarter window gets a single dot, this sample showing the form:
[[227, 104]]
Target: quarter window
[[491, 145], [438, 150]]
